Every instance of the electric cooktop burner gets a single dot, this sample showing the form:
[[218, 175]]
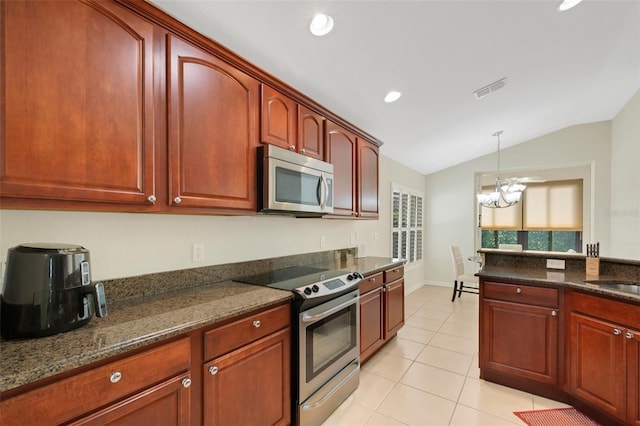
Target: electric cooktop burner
[[291, 278]]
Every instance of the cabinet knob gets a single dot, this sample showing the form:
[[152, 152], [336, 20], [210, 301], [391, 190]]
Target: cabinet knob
[[373, 280], [177, 200], [115, 377], [629, 335], [213, 370], [257, 323], [518, 290], [292, 148], [554, 313], [152, 199], [302, 151], [617, 331], [186, 382]]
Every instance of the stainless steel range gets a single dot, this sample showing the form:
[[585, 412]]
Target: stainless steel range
[[326, 334]]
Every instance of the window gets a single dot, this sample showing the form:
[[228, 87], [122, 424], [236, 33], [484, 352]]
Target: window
[[406, 224], [549, 218]]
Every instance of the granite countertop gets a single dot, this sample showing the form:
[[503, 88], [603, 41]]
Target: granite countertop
[[365, 265], [130, 324], [573, 279]]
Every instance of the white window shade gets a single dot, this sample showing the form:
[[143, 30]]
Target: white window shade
[[553, 205]]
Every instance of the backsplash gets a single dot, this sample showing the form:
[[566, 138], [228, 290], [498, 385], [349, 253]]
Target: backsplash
[[163, 282]]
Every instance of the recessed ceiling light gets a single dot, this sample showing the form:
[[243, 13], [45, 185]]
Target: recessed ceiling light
[[321, 24], [392, 96], [567, 4]]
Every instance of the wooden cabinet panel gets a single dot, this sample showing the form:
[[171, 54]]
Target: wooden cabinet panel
[[531, 295], [597, 373], [341, 152], [393, 274], [633, 376], [213, 120], [228, 337], [394, 307], [278, 119], [78, 394], [166, 404], [250, 386], [371, 323], [78, 102], [519, 339], [367, 179], [370, 282], [310, 133]]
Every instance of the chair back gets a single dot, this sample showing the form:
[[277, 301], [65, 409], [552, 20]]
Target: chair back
[[458, 263]]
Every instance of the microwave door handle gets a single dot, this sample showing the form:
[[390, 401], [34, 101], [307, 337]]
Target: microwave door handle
[[324, 189]]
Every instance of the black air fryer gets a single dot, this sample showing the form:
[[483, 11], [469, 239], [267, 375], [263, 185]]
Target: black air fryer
[[48, 290]]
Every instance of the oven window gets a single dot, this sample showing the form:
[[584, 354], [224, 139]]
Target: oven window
[[297, 187], [329, 339]]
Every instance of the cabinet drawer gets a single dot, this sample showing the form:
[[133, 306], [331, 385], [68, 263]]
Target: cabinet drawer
[[532, 295], [238, 333], [371, 282], [76, 395], [393, 274]]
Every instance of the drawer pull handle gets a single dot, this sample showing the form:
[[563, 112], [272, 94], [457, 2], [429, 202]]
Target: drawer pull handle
[[554, 313], [257, 323], [115, 377], [629, 335], [177, 200], [373, 280], [518, 290], [186, 383], [617, 331], [213, 370], [151, 198]]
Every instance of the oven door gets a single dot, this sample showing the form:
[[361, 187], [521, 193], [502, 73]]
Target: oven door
[[329, 341]]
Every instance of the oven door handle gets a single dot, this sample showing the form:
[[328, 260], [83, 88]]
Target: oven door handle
[[313, 318]]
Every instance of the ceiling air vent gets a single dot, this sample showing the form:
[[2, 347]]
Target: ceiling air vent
[[484, 91]]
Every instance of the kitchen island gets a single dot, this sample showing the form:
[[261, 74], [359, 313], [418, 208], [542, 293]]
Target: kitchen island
[[562, 334]]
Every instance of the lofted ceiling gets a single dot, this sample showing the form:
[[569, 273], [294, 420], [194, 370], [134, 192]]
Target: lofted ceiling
[[562, 68]]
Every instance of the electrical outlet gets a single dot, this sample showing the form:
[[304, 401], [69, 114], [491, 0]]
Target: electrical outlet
[[555, 264], [197, 252], [323, 241]]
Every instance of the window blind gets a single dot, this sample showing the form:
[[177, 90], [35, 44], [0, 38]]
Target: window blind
[[406, 224]]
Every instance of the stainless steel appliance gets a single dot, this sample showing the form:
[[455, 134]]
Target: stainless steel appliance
[[47, 289], [293, 183], [326, 348]]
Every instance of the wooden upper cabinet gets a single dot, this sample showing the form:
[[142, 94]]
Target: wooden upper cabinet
[[213, 130], [77, 102], [278, 119], [368, 155], [341, 152], [310, 133]]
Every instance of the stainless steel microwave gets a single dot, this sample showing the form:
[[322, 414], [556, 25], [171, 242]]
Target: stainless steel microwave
[[293, 183]]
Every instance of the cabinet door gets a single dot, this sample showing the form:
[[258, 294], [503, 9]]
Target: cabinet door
[[371, 323], [367, 179], [213, 120], [521, 340], [633, 376], [394, 307], [278, 119], [166, 404], [250, 386], [597, 371], [77, 102], [341, 152], [310, 133]]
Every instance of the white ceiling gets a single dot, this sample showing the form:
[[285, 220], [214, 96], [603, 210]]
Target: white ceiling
[[562, 68]]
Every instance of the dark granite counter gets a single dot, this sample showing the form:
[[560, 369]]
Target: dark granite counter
[[130, 324], [365, 265]]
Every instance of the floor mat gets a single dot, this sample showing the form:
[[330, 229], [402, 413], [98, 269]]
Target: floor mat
[[555, 416]]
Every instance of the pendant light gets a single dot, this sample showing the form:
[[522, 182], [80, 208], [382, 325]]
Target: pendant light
[[506, 193]]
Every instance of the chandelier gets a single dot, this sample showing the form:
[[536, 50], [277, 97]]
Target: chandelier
[[507, 192]]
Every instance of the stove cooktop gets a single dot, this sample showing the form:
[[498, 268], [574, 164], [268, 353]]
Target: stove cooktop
[[291, 278]]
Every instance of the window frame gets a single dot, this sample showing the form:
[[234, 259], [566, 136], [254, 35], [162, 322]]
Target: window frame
[[407, 224]]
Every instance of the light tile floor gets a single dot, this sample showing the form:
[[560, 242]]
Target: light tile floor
[[428, 374]]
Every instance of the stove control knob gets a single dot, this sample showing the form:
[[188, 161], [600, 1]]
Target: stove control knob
[[315, 288], [307, 291], [350, 277]]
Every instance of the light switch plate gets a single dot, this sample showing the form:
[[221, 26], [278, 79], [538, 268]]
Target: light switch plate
[[555, 264]]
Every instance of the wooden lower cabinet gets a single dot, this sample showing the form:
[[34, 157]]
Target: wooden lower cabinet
[[605, 356], [519, 331], [381, 310]]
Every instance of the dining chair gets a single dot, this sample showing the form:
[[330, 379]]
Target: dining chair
[[460, 277]]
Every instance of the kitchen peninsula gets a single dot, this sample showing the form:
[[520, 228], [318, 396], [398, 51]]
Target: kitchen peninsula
[[562, 334]]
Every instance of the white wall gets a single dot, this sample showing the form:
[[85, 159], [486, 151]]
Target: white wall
[[625, 181], [123, 244], [450, 199]]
